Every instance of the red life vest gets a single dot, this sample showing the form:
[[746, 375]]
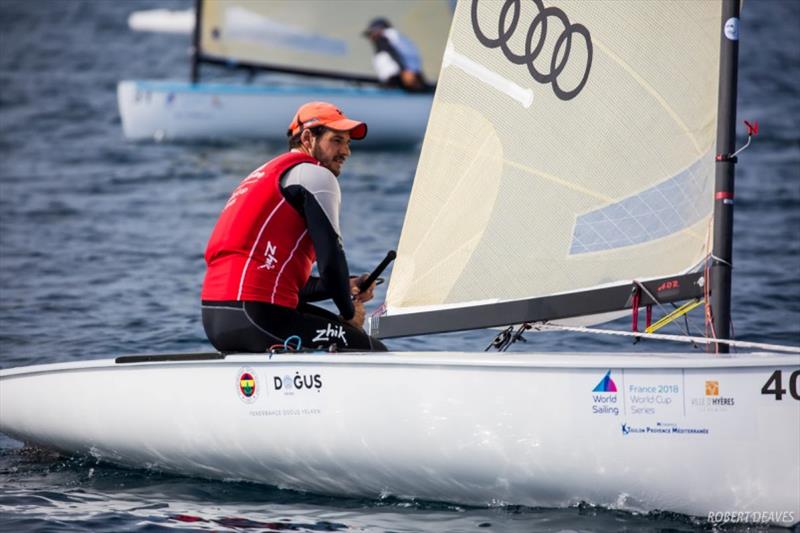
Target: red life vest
[[260, 249]]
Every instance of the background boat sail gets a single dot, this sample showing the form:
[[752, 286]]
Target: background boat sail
[[689, 433], [322, 41]]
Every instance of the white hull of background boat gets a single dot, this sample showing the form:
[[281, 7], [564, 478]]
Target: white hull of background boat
[[692, 434], [163, 20], [167, 111]]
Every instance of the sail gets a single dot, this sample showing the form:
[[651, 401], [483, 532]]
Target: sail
[[570, 146], [317, 36]]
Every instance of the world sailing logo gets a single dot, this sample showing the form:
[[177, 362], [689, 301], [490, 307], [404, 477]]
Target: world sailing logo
[[604, 397], [538, 27], [606, 384]]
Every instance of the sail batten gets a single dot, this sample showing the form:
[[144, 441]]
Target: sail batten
[[570, 145]]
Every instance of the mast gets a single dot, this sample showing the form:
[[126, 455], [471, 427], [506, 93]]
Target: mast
[[722, 254], [198, 8]]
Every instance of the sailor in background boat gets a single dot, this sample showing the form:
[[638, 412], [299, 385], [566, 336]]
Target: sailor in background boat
[[282, 218], [397, 61]]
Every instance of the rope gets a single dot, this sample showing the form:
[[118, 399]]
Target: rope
[[660, 305], [667, 337], [676, 313], [710, 332], [287, 344]]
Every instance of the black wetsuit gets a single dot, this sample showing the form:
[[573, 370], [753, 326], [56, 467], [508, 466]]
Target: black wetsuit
[[256, 323]]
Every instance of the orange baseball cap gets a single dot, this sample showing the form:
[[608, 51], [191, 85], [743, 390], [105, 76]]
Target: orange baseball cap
[[315, 114]]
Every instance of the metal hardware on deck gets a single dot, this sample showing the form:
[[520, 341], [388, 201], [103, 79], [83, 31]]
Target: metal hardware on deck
[[507, 337]]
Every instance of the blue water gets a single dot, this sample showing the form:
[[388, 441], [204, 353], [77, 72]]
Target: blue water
[[101, 244]]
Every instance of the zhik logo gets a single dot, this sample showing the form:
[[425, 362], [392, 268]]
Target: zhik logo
[[269, 256], [330, 332]]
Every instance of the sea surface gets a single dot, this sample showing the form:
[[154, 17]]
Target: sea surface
[[101, 254]]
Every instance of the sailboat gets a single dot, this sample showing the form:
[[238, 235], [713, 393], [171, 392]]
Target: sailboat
[[567, 175], [322, 42]]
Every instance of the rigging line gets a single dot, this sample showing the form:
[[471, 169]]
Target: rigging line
[[652, 91], [650, 294], [708, 312], [667, 337], [660, 305], [681, 311]]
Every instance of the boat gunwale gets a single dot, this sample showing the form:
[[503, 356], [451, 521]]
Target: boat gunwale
[[178, 86], [486, 361]]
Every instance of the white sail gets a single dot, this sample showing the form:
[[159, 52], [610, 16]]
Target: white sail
[[584, 161], [318, 36]]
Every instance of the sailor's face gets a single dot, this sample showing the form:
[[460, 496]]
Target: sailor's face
[[331, 149]]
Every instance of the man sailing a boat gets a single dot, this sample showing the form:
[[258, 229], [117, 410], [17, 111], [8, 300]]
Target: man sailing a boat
[[281, 219], [397, 60]]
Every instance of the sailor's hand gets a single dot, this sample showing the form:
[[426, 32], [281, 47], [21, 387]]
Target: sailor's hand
[[359, 295], [358, 318], [409, 80]]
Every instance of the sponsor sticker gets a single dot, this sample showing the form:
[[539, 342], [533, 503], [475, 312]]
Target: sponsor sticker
[[604, 397], [714, 398], [732, 29], [247, 385], [290, 385], [662, 429]]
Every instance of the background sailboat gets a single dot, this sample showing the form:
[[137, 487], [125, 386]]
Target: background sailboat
[[461, 427], [322, 42]]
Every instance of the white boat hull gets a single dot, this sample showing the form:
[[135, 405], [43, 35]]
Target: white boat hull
[[175, 111], [690, 434]]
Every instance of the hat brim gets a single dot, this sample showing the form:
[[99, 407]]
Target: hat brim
[[357, 130]]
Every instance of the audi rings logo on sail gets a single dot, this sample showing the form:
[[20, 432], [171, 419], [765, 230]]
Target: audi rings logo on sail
[[507, 25]]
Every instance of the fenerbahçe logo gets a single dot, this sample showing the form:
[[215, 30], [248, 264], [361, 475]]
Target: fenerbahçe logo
[[246, 385]]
